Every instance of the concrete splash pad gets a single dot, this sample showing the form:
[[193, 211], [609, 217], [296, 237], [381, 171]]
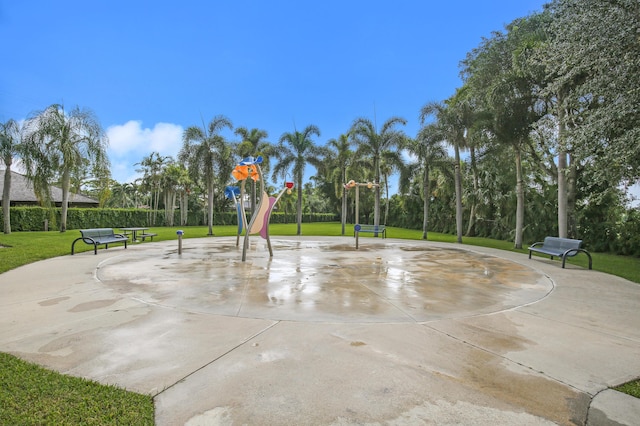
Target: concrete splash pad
[[397, 332], [322, 281]]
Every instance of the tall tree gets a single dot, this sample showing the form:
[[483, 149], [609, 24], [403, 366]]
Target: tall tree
[[429, 153], [10, 145], [493, 74], [183, 188], [593, 59], [372, 145], [172, 180], [152, 167], [61, 145], [224, 164], [295, 150], [453, 118], [391, 162], [342, 155], [201, 150]]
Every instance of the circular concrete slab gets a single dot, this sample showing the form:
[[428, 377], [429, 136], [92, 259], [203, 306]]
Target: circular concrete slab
[[398, 332], [325, 280]]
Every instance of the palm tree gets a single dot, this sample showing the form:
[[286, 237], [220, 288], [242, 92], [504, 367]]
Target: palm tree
[[184, 189], [224, 163], [62, 145], [430, 153], [454, 119], [10, 144], [200, 151], [391, 161], [372, 145], [509, 94], [173, 175], [296, 150], [253, 145], [152, 167], [122, 195], [342, 158]]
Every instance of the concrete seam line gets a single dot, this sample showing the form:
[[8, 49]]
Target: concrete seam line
[[242, 343]]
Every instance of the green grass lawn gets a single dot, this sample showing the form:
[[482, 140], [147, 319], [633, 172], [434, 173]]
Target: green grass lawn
[[30, 394], [630, 388]]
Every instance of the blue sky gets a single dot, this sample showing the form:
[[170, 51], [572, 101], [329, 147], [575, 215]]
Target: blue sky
[[149, 69]]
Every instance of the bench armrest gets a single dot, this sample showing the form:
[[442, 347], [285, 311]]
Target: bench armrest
[[577, 250]]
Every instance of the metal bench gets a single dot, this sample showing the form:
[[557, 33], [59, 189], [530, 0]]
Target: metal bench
[[374, 229], [98, 237], [561, 247]]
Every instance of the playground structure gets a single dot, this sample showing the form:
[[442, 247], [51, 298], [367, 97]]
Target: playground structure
[[353, 184], [259, 224]]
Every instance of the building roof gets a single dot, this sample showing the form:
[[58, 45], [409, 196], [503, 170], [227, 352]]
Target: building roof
[[22, 192]]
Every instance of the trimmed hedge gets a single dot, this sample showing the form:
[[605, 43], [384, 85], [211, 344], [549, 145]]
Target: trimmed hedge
[[33, 218]]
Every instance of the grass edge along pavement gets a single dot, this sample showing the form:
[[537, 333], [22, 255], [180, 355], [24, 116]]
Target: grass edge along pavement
[[26, 247], [30, 394]]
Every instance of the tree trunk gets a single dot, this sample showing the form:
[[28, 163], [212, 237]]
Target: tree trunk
[[184, 208], [344, 210], [6, 198], [210, 208], [376, 212], [156, 204], [169, 206], [458, 185], [299, 207], [376, 203], [572, 225], [66, 184], [166, 208], [386, 206], [343, 218], [562, 195], [562, 176], [519, 200], [426, 198], [474, 202]]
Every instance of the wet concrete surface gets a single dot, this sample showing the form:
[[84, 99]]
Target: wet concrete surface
[[397, 332], [322, 281]]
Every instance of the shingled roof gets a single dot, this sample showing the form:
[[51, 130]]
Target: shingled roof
[[22, 193]]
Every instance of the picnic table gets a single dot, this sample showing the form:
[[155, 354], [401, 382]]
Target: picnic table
[[134, 230]]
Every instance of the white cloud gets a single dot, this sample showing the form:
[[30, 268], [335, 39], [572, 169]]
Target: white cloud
[[129, 143], [164, 138]]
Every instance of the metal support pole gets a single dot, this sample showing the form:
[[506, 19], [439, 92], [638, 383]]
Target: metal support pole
[[349, 185], [180, 241], [357, 213]]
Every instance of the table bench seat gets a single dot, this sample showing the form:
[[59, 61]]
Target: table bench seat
[[560, 247], [98, 237], [147, 235]]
